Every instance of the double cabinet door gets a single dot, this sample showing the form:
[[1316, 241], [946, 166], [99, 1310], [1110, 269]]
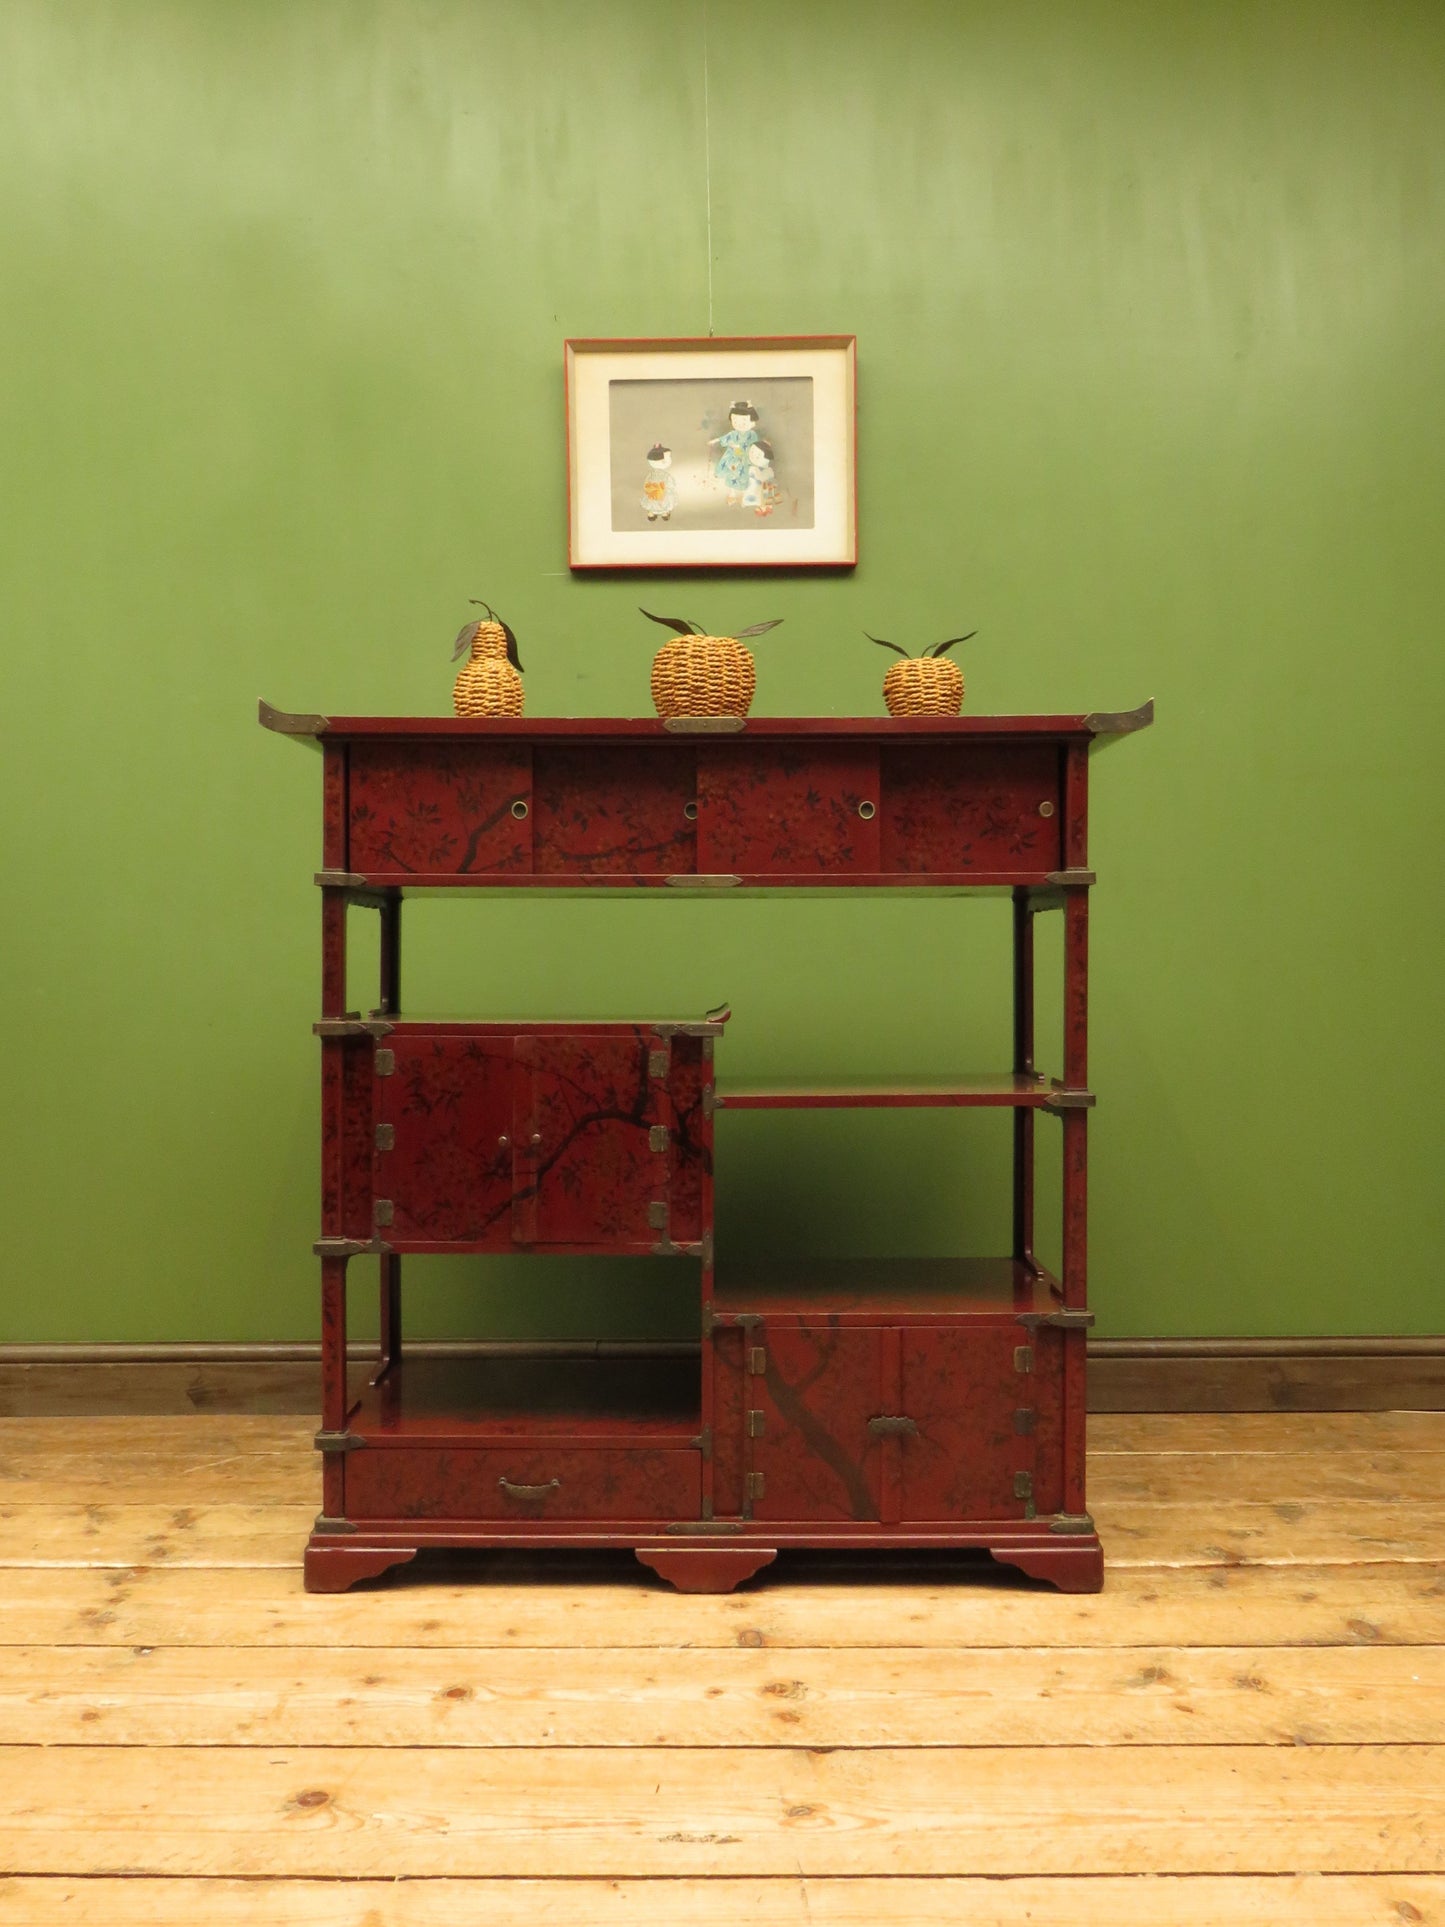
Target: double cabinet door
[[540, 1138], [887, 1424]]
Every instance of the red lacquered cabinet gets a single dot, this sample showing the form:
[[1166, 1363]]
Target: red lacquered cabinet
[[865, 1403]]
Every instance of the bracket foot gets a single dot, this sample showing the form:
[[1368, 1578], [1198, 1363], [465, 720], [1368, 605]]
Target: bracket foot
[[1073, 1564], [333, 1568], [706, 1568]]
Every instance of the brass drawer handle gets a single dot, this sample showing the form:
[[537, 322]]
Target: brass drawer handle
[[515, 1491], [892, 1428]]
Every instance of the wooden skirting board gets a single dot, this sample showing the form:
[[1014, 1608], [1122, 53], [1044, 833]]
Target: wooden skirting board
[[1125, 1375]]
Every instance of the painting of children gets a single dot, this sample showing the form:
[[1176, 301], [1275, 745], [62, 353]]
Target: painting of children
[[691, 455]]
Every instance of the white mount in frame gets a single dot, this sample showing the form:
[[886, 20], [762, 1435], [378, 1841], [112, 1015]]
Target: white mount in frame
[[713, 452]]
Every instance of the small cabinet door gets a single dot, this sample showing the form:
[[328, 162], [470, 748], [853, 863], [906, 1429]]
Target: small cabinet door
[[810, 1388], [971, 807], [770, 809], [443, 1171], [455, 809], [592, 1143], [973, 1453]]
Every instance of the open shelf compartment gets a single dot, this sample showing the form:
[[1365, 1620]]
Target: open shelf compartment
[[590, 1396], [1006, 1089], [892, 1291]]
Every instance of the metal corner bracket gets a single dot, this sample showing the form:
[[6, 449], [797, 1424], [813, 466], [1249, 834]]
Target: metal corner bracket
[[351, 1248], [286, 722], [1119, 722]]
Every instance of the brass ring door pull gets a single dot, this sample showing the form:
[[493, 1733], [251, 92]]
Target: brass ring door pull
[[514, 1491], [892, 1428]]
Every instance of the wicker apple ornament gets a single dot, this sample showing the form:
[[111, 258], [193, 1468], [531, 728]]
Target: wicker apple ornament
[[923, 685], [698, 675], [490, 682]]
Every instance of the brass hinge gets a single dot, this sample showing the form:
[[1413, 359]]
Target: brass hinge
[[709, 1098], [1024, 1489], [382, 1211], [755, 1425], [705, 1251], [1025, 1420], [657, 1214], [386, 1137], [1023, 1358], [657, 1138], [756, 1485], [703, 1441], [709, 1320], [1071, 1522], [338, 1442], [385, 1062], [757, 1360], [658, 1062]]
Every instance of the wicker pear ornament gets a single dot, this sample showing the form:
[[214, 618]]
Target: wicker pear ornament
[[923, 685], [489, 683], [698, 675]]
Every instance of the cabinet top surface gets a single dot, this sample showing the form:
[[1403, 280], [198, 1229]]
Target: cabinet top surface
[[1096, 724]]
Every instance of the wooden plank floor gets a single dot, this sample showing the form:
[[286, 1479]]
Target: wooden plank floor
[[1248, 1725]]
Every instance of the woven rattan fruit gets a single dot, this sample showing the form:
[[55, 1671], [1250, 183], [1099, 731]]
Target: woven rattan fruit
[[698, 675], [923, 685], [489, 683]]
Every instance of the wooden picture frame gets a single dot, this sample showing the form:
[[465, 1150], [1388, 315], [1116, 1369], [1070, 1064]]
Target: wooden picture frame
[[712, 452]]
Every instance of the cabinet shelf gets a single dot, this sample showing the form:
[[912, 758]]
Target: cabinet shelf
[[1015, 1090]]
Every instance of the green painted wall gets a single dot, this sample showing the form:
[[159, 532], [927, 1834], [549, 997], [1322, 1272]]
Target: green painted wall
[[1149, 303]]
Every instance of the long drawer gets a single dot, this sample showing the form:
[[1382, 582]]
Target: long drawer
[[525, 1483]]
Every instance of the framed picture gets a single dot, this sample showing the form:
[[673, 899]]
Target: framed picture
[[732, 452]]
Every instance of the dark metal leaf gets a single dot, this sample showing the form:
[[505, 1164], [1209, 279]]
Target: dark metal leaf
[[682, 627], [465, 636], [512, 657], [760, 628], [943, 647], [883, 643]]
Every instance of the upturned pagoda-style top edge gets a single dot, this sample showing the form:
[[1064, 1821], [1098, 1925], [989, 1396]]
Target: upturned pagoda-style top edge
[[1097, 724]]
